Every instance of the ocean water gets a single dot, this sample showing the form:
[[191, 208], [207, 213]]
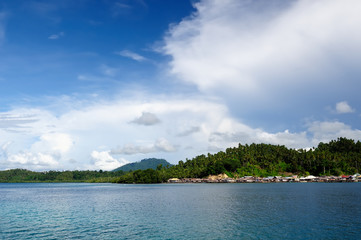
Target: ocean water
[[180, 211]]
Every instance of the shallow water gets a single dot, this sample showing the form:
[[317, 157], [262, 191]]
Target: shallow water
[[180, 211]]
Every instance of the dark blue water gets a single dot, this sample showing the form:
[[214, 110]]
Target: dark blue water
[[184, 211]]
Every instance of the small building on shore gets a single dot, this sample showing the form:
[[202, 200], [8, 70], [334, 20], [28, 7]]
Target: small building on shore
[[174, 180]]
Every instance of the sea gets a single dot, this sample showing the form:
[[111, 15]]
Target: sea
[[180, 211]]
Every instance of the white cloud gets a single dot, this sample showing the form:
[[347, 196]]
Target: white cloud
[[331, 130], [190, 126], [268, 51], [5, 145], [58, 143], [104, 161], [147, 119], [343, 107], [163, 145], [56, 36], [131, 55], [35, 161], [44, 154], [232, 132], [15, 122]]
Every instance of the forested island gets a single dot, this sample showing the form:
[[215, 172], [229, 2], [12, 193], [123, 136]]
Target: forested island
[[23, 175], [341, 156]]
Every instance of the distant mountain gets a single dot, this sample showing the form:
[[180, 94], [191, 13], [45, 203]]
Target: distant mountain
[[143, 165]]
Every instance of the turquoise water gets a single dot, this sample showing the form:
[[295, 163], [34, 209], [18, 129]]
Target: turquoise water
[[180, 211]]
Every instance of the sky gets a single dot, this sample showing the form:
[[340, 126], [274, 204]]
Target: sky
[[90, 85]]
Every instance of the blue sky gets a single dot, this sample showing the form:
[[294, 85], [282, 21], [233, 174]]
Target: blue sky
[[97, 84]]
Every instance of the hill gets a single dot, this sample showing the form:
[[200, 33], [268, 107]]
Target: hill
[[144, 164]]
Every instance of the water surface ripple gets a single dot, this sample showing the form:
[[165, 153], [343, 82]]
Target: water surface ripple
[[180, 211]]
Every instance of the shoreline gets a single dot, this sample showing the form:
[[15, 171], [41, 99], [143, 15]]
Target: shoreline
[[271, 179]]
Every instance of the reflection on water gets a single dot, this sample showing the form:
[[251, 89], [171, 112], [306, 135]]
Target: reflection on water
[[180, 211]]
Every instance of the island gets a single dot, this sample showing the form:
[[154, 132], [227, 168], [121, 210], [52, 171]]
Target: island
[[336, 161]]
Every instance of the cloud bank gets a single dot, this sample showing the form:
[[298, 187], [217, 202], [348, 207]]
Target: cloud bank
[[102, 135]]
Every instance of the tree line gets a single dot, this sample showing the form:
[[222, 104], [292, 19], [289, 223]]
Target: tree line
[[23, 175], [341, 156]]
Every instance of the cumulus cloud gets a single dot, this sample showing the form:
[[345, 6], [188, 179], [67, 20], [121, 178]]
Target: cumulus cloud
[[34, 161], [232, 132], [44, 154], [329, 130], [272, 53], [56, 143], [343, 107], [147, 119], [190, 127], [131, 55], [104, 161]]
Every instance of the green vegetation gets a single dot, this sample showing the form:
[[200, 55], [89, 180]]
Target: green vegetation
[[341, 156], [144, 164], [334, 158], [22, 175]]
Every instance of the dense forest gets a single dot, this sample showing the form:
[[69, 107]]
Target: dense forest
[[23, 175], [341, 156]]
